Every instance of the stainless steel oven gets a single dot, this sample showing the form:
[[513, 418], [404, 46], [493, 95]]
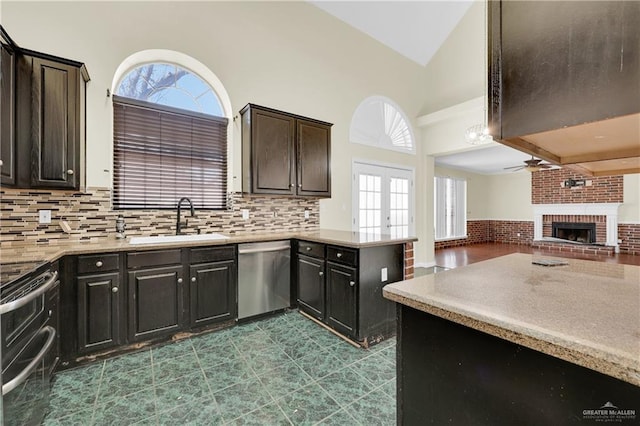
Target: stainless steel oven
[[26, 342]]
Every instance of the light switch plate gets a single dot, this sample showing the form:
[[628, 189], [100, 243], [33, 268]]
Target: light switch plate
[[383, 274], [306, 214], [245, 214], [45, 216]]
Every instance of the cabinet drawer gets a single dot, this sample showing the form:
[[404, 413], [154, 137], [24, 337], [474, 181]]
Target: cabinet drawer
[[98, 263], [311, 249], [212, 254], [342, 255], [153, 258]]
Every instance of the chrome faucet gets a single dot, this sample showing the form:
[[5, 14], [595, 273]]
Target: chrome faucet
[[178, 222]]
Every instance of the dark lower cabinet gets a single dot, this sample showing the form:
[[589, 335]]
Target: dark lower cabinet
[[155, 302], [341, 298], [342, 287], [98, 311], [212, 292], [311, 291]]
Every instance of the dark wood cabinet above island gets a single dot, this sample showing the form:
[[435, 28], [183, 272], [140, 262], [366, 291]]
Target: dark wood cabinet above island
[[564, 82]]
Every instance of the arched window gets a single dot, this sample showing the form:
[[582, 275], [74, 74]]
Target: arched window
[[379, 122], [170, 85], [170, 140]]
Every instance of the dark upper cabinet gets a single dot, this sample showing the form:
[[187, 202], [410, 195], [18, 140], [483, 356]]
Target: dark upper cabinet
[[7, 112], [564, 81], [42, 113], [342, 294], [50, 122], [313, 147], [212, 285], [284, 153]]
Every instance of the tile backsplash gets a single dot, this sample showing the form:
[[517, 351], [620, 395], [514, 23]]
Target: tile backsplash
[[90, 216]]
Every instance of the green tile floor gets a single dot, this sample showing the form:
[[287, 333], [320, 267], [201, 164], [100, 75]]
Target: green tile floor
[[278, 371]]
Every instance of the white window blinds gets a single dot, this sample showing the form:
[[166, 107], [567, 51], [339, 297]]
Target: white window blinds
[[162, 154], [450, 205]]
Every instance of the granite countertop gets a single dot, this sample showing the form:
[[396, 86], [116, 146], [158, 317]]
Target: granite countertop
[[11, 256], [585, 312]]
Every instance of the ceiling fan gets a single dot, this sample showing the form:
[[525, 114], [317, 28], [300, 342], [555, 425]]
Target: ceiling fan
[[532, 165]]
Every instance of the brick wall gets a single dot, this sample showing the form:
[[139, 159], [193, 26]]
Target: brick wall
[[546, 188], [91, 217], [630, 236], [511, 231], [484, 231], [477, 232], [408, 261]]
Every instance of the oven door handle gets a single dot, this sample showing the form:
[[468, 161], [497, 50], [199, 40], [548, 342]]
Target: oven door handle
[[24, 374], [18, 303]]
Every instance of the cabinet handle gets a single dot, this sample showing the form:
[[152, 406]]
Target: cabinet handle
[[69, 172], [50, 313], [179, 280], [308, 248], [292, 185], [193, 279], [299, 185], [321, 273], [352, 283], [99, 264], [1, 163], [114, 290], [339, 255]]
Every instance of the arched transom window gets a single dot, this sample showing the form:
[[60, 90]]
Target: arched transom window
[[171, 85], [379, 122]]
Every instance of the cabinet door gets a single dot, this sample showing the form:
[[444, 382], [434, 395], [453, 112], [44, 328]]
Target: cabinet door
[[272, 151], [212, 292], [98, 312], [559, 64], [341, 298], [311, 285], [155, 302], [314, 159], [7, 116], [54, 127]]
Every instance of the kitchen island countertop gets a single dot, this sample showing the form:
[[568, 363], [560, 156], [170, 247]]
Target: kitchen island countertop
[[585, 312]]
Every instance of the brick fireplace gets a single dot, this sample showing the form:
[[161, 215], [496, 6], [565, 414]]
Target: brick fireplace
[[603, 215]]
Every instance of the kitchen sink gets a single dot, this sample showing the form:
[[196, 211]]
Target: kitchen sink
[[159, 239]]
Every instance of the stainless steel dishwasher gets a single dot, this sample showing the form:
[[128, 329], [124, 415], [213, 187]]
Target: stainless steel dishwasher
[[264, 283]]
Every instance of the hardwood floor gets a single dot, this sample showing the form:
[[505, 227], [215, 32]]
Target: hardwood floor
[[466, 255]]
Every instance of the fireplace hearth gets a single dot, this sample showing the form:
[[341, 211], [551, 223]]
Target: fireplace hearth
[[576, 232]]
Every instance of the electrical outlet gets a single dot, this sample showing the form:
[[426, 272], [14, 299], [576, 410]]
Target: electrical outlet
[[383, 275], [245, 214], [306, 214], [518, 234], [45, 216]]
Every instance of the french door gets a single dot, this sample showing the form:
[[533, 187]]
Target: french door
[[383, 200]]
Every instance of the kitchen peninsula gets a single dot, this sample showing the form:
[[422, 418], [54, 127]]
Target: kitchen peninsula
[[511, 342]]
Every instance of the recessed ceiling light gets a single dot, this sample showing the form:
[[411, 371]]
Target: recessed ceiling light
[[599, 137]]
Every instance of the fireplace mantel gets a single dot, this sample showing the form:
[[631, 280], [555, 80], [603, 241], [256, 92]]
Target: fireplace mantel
[[609, 210]]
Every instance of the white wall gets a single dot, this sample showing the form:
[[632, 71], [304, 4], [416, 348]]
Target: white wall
[[630, 211], [286, 55], [456, 74]]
